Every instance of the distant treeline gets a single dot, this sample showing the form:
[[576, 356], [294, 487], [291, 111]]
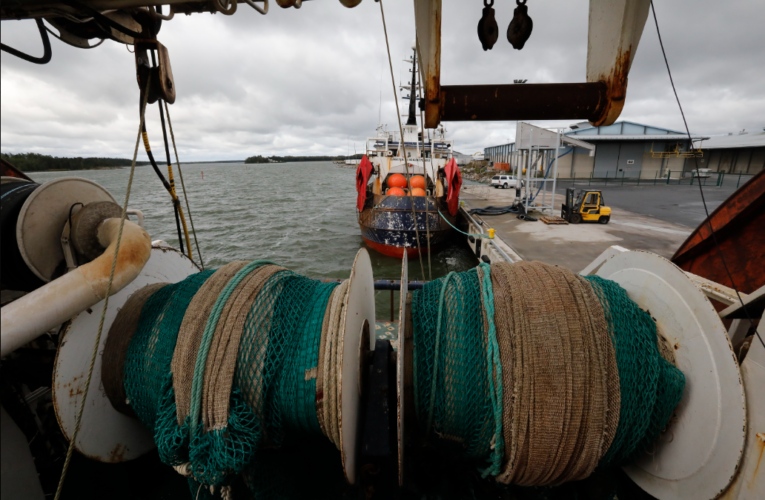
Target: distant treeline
[[34, 162], [285, 159]]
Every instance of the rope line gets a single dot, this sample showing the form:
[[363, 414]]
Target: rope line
[[207, 336], [97, 343], [183, 186], [168, 188], [172, 180], [463, 232], [701, 190], [403, 143], [495, 373]]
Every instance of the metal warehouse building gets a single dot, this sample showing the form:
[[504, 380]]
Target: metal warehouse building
[[742, 153], [632, 149]]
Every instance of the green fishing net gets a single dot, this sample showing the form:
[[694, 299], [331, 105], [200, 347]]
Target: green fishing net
[[147, 363], [274, 391], [651, 387], [451, 383], [451, 374]]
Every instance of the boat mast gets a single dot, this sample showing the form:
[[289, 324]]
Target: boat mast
[[413, 93]]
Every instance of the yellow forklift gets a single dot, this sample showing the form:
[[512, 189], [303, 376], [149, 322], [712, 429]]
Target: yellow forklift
[[588, 207]]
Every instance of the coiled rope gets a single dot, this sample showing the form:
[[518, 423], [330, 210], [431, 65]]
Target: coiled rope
[[538, 375], [227, 367]]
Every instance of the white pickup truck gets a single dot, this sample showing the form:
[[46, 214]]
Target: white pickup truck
[[505, 181]]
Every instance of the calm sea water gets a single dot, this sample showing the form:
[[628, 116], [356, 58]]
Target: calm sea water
[[300, 215]]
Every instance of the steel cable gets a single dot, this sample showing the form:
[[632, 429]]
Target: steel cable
[[403, 144]]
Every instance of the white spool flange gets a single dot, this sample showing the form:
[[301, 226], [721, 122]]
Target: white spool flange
[[400, 364], [43, 216], [697, 458], [358, 317], [105, 434]]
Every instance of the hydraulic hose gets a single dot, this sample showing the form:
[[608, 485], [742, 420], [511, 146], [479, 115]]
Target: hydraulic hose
[[176, 202]]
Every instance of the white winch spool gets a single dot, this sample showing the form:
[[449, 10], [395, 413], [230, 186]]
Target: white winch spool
[[400, 366], [105, 434], [697, 457], [43, 216], [357, 327]]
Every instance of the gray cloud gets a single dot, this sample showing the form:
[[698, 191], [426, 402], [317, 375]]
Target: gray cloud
[[309, 81]]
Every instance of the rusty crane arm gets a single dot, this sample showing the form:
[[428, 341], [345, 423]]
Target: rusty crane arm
[[615, 28]]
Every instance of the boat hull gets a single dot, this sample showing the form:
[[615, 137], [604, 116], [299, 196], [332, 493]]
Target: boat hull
[[388, 225]]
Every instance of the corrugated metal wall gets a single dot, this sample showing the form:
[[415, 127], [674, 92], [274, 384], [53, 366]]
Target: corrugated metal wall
[[606, 156]]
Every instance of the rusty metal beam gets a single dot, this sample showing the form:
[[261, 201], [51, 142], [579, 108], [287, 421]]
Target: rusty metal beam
[[427, 15], [615, 28], [546, 101]]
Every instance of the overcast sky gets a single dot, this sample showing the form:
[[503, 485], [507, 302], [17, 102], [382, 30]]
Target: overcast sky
[[310, 81]]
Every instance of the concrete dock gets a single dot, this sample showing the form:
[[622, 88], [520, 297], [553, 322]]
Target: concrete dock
[[576, 245]]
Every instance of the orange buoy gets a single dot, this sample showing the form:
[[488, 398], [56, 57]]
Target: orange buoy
[[418, 181], [397, 181], [396, 191], [418, 192]]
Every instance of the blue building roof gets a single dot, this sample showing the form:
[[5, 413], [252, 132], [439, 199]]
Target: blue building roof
[[626, 131]]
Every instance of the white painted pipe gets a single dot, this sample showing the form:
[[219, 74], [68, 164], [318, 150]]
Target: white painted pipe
[[25, 319]]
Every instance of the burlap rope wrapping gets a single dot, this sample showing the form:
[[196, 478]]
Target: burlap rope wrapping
[[330, 363], [190, 335], [116, 347], [224, 349], [320, 371], [556, 358]]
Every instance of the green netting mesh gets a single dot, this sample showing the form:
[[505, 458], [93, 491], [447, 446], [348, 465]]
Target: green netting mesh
[[147, 363], [273, 397], [650, 386], [452, 355], [451, 375]]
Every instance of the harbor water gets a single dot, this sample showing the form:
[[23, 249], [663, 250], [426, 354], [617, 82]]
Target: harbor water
[[300, 215]]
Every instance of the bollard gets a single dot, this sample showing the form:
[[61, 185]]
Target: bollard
[[491, 233]]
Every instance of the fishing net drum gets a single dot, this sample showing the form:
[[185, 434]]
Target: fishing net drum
[[537, 375], [243, 366]]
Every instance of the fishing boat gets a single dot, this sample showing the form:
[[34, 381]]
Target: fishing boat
[[131, 371], [408, 186]]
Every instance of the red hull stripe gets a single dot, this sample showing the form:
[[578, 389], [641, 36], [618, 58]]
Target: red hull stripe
[[393, 251]]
